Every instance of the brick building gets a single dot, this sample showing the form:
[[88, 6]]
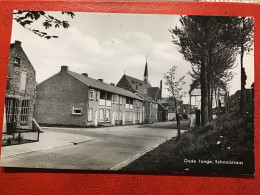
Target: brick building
[[20, 90], [143, 89], [69, 98]]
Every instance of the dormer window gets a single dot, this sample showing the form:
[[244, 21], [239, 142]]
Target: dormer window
[[17, 61], [145, 91]]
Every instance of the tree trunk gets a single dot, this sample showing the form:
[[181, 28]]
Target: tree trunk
[[204, 94], [177, 120], [209, 101], [242, 101], [242, 94], [204, 86]]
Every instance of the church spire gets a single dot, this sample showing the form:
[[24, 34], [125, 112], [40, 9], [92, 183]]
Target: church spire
[[146, 72]]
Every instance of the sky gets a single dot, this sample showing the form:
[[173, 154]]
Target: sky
[[108, 45]]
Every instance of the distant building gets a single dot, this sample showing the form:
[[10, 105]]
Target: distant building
[[162, 113], [234, 100], [184, 111], [150, 95], [69, 98], [20, 90], [195, 96]]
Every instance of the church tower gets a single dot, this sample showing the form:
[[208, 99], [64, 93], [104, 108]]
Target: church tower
[[146, 72]]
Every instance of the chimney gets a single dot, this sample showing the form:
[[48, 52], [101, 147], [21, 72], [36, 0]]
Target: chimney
[[112, 84], [64, 69], [85, 74], [161, 89], [101, 80], [18, 43]]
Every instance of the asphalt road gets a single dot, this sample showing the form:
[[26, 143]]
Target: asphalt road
[[111, 147]]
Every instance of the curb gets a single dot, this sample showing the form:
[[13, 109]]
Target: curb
[[42, 149], [133, 158]]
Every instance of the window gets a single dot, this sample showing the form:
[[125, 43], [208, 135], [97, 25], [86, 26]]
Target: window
[[120, 100], [77, 110], [96, 96], [91, 94], [115, 99], [8, 83], [116, 115], [11, 109], [17, 61], [101, 114], [107, 115], [131, 103], [24, 112], [138, 104], [145, 91], [90, 114], [129, 116], [136, 87], [119, 115], [23, 81]]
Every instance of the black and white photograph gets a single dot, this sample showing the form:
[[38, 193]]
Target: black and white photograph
[[141, 93]]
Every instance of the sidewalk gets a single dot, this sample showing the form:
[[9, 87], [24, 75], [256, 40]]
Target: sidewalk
[[48, 140]]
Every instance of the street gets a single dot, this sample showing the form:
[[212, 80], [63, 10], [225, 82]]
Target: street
[[108, 148]]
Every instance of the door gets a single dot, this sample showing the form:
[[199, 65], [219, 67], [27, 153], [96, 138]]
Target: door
[[11, 111], [96, 118], [123, 123], [113, 118]]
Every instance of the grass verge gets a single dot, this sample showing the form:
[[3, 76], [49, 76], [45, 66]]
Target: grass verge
[[225, 146]]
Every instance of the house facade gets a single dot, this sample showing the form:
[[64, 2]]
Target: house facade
[[20, 90], [69, 98], [144, 90]]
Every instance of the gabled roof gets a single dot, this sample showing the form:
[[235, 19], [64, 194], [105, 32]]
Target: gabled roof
[[154, 92], [103, 86], [162, 106], [145, 99], [137, 85], [133, 81], [17, 45]]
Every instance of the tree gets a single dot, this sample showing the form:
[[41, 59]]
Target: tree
[[27, 18], [244, 43], [202, 40], [175, 89]]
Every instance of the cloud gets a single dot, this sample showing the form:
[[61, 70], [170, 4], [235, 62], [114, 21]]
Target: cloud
[[105, 46]]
